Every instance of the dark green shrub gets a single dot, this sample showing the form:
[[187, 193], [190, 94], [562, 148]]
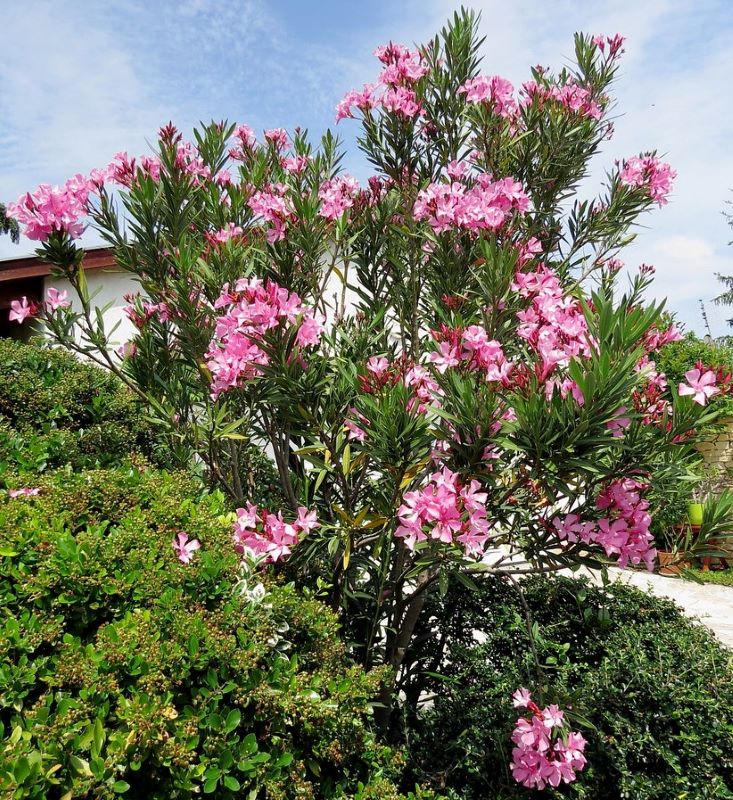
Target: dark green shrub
[[657, 688], [60, 410], [125, 672]]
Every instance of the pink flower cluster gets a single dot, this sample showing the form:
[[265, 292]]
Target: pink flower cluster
[[485, 205], [253, 309], [572, 97], [495, 92], [296, 164], [542, 755], [623, 533], [123, 170], [230, 231], [140, 313], [402, 69], [21, 310], [278, 138], [54, 208], [472, 348], [649, 173], [553, 324], [271, 204], [450, 512], [268, 534], [336, 195], [245, 143], [615, 43], [380, 373], [654, 338]]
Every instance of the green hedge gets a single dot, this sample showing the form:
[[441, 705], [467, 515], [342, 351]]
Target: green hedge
[[127, 673], [654, 692], [56, 409]]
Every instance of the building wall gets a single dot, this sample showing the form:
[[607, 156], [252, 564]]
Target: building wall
[[105, 287]]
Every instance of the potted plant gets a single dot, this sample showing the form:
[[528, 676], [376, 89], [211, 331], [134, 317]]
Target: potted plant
[[674, 557], [709, 485], [669, 526], [716, 529], [695, 511]]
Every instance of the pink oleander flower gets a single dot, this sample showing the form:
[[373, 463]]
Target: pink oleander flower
[[278, 137], [650, 173], [25, 492], [542, 757], [401, 100], [309, 333], [354, 431], [470, 348], [127, 350], [619, 423], [456, 169], [445, 511], [53, 209], [362, 100], [495, 92], [184, 547], [654, 338], [337, 195], [623, 533], [553, 324], [56, 299], [253, 310], [268, 534], [572, 97], [231, 231], [295, 164], [21, 310], [701, 385], [271, 204], [483, 206], [377, 365], [402, 65]]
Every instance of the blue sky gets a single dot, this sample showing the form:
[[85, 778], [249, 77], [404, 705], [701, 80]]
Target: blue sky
[[84, 79]]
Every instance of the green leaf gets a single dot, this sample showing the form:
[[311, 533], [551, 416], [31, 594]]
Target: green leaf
[[232, 721]]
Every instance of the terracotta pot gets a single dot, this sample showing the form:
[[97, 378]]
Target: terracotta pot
[[666, 565]]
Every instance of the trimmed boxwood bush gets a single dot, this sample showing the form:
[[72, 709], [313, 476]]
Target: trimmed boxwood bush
[[127, 673], [56, 409], [650, 690]]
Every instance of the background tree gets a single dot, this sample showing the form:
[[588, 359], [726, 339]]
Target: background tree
[[9, 225]]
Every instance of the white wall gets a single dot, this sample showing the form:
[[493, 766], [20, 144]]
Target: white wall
[[104, 287]]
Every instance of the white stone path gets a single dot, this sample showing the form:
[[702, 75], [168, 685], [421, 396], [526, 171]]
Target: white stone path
[[710, 603]]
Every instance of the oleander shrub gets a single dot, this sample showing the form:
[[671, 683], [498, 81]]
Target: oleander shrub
[[442, 362], [651, 691], [125, 672]]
